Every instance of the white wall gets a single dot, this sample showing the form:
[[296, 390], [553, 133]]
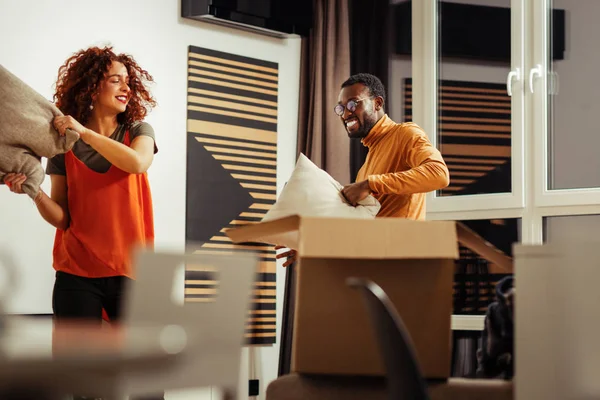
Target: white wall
[[37, 38]]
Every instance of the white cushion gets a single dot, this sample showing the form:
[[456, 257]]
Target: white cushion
[[312, 192]]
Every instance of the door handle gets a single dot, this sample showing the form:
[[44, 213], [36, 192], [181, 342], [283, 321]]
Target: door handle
[[513, 74], [554, 83], [533, 73]]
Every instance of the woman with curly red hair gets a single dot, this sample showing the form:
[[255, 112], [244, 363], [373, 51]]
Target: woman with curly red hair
[[100, 201]]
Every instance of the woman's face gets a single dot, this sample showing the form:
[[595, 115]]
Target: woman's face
[[114, 93]]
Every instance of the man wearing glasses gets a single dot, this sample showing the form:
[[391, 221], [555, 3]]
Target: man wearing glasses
[[402, 165]]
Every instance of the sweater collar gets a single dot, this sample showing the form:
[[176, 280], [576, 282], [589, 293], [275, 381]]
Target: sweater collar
[[378, 131]]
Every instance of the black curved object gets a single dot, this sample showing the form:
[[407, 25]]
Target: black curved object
[[404, 378]]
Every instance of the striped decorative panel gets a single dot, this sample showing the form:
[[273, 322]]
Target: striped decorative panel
[[231, 170], [474, 125]]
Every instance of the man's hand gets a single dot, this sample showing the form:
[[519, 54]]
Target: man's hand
[[356, 192], [290, 255]]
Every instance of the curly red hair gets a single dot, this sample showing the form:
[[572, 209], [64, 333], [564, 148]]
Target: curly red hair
[[79, 78]]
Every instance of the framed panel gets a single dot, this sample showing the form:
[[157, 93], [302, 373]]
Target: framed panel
[[231, 170]]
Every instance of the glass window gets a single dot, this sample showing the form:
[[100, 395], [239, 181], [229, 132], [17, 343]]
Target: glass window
[[571, 227], [474, 109], [485, 258], [573, 100]]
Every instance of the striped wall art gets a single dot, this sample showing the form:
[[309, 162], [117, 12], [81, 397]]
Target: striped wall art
[[231, 170]]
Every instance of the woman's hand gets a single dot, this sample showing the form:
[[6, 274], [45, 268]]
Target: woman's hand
[[14, 182], [62, 123]]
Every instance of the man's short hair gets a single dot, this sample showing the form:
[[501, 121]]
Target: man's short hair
[[371, 81]]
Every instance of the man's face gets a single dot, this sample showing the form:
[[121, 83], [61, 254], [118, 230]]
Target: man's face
[[358, 98]]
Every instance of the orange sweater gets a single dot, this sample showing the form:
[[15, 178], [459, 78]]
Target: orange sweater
[[402, 166]]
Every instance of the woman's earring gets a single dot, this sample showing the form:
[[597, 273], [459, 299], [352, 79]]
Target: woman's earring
[[91, 106]]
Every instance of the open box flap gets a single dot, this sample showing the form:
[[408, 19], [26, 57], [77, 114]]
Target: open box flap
[[320, 237]]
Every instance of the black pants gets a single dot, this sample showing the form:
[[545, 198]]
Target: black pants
[[76, 297]]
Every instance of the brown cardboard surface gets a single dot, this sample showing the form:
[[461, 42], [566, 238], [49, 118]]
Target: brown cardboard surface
[[264, 232], [411, 260], [357, 238], [381, 238], [332, 331]]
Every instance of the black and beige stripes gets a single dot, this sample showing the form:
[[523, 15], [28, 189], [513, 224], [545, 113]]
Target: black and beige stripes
[[232, 113], [474, 129]]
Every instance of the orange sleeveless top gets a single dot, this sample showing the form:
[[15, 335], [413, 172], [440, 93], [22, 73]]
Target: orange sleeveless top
[[110, 215]]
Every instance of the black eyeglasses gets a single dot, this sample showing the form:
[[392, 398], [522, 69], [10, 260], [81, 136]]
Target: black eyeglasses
[[351, 106]]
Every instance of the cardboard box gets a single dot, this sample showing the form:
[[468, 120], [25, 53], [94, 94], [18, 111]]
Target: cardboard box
[[413, 261]]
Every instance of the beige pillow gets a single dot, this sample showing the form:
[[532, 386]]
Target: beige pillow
[[26, 132], [312, 192]]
